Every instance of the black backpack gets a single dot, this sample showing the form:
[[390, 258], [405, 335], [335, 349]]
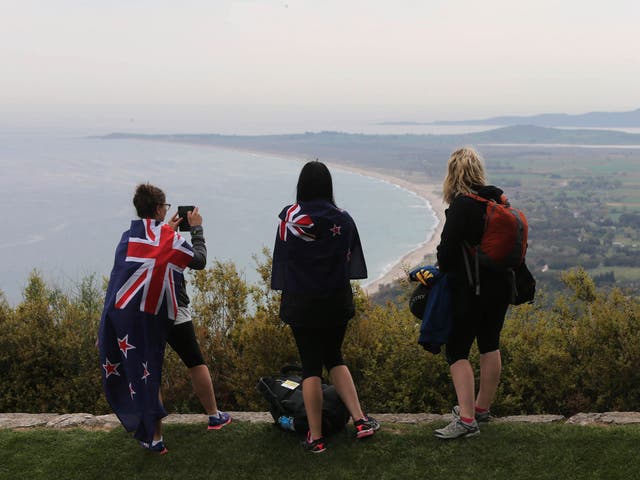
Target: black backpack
[[284, 394]]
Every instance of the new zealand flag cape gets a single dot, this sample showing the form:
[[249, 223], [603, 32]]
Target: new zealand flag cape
[[317, 249], [139, 310]]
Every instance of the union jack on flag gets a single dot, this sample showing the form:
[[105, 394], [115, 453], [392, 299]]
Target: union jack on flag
[[297, 223], [160, 253]]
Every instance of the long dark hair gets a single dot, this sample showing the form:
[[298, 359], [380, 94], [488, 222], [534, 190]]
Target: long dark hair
[[314, 183]]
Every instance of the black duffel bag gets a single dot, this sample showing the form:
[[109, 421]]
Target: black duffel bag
[[286, 405]]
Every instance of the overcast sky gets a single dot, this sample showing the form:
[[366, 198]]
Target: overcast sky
[[389, 60]]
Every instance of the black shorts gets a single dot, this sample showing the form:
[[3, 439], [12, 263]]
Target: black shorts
[[319, 347], [475, 317], [182, 338]]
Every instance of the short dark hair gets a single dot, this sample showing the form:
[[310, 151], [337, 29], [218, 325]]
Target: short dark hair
[[147, 199], [314, 183]]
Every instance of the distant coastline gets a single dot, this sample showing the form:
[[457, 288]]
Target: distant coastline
[[370, 155], [427, 191], [385, 144]]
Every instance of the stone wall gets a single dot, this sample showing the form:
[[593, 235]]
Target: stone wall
[[109, 422]]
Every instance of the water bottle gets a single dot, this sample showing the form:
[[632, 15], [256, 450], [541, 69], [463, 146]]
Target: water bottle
[[286, 423]]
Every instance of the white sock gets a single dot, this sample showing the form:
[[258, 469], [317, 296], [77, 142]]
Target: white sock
[[217, 415], [155, 442]]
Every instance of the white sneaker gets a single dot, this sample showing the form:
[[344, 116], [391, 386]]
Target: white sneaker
[[458, 429]]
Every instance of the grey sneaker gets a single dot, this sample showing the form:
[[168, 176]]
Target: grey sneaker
[[457, 429], [480, 417]]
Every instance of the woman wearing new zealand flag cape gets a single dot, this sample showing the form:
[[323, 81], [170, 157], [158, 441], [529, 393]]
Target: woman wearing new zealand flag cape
[[317, 252], [146, 306]]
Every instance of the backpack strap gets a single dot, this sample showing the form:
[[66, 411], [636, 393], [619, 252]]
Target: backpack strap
[[465, 246], [273, 398], [478, 197], [513, 285], [503, 199]]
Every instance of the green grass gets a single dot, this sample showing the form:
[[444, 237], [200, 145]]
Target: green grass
[[242, 450]]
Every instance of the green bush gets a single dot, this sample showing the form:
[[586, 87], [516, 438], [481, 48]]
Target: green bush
[[579, 352], [48, 357], [579, 355]]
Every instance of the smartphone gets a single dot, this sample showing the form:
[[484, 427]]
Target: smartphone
[[182, 213]]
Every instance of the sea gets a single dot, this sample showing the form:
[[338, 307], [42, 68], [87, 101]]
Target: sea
[[67, 196], [67, 199]]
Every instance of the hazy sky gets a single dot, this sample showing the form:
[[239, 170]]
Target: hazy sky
[[389, 60]]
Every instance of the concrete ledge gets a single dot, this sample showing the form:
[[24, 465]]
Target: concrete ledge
[[607, 418], [529, 419], [21, 421]]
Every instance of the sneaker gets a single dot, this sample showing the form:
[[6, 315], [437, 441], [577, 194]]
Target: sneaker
[[216, 423], [316, 446], [366, 426], [155, 447], [480, 416], [458, 429]]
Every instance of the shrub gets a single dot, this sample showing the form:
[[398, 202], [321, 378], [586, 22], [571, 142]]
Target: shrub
[[47, 351], [574, 351]]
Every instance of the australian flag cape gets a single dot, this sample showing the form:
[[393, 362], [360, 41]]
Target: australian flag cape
[[139, 309], [317, 249]]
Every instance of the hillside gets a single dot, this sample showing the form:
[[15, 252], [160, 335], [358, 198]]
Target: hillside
[[524, 134], [591, 120], [583, 204]]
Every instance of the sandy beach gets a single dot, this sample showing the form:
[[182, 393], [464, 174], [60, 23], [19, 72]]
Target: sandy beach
[[431, 192]]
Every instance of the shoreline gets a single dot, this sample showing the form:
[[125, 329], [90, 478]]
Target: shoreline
[[428, 191]]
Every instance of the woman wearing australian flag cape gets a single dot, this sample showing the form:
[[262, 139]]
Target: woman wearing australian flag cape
[[140, 307], [317, 252]]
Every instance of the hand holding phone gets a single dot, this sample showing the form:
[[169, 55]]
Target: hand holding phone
[[194, 217], [183, 213]]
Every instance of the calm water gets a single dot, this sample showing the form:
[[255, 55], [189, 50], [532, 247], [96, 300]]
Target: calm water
[[68, 201]]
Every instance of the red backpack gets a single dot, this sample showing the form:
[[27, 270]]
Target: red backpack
[[503, 245], [504, 239]]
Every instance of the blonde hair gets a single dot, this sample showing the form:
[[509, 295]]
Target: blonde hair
[[464, 171]]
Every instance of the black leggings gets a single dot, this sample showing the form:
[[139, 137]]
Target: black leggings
[[318, 347]]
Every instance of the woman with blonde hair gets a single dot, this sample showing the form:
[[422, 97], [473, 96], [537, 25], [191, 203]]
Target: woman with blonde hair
[[478, 314]]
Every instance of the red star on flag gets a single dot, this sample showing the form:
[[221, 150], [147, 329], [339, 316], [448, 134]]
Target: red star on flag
[[335, 230], [124, 345], [132, 392], [111, 368], [146, 373]]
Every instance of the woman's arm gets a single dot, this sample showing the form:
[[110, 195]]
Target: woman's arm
[[199, 260], [453, 234]]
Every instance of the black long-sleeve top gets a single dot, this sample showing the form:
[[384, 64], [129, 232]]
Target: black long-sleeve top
[[198, 262]]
